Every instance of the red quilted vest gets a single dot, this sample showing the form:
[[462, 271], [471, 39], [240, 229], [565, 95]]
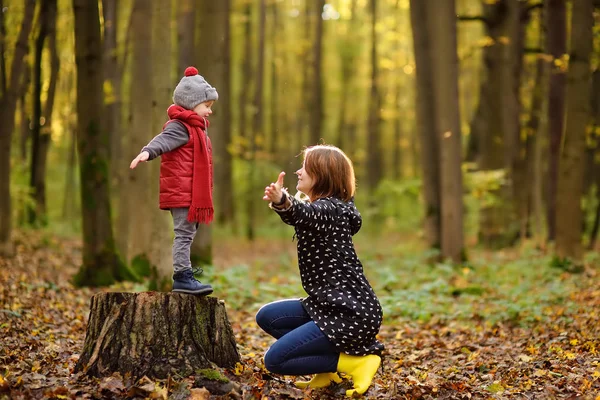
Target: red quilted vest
[[176, 171]]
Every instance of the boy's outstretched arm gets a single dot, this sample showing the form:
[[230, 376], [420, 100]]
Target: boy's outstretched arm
[[143, 156]]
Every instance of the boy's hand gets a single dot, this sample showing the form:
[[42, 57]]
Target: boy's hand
[[143, 156], [273, 191]]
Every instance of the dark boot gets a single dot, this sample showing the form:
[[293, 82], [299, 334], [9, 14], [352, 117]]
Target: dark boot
[[185, 282]]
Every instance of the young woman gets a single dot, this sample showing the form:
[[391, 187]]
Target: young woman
[[334, 328]]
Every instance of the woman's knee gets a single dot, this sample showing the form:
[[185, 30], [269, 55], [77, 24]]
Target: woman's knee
[[273, 362], [262, 317]]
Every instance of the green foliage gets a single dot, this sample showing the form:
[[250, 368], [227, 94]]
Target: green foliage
[[211, 374], [493, 288], [566, 264], [21, 192], [140, 264]]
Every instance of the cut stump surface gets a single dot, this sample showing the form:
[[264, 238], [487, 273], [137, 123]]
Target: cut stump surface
[[156, 334]]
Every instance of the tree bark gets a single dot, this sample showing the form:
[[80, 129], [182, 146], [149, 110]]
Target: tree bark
[[347, 52], [215, 63], [315, 122], [257, 124], [569, 216], [101, 263], [159, 250], [186, 22], [136, 221], [8, 104], [556, 46], [113, 77], [445, 68], [156, 334], [529, 156], [426, 122], [42, 118], [374, 153], [496, 124]]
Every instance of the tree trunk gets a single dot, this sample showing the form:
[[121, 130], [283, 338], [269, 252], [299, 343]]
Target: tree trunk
[[156, 334], [215, 62], [556, 46], [514, 163], [374, 153], [569, 217], [532, 137], [445, 68], [101, 263], [257, 123], [426, 122], [159, 249], [186, 22], [497, 131], [274, 109], [138, 210], [42, 119], [8, 104], [246, 76], [113, 78], [315, 122]]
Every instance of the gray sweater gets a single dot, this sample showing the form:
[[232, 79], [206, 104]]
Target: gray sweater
[[173, 136]]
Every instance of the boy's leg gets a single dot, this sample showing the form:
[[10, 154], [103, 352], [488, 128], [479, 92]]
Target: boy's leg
[[281, 317], [183, 277], [185, 231], [304, 351]]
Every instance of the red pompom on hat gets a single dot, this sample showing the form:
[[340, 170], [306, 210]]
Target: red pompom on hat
[[190, 71]]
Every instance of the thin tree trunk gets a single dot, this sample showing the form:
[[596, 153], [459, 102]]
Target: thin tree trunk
[[42, 119], [499, 119], [515, 164], [159, 249], [141, 207], [426, 121], [556, 46], [101, 263], [569, 216], [257, 123], [69, 193], [275, 27], [445, 67], [215, 62], [374, 153], [114, 72], [246, 72], [8, 104], [532, 136], [186, 22], [3, 84], [315, 122]]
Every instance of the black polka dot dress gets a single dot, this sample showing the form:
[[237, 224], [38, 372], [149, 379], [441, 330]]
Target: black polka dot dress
[[340, 299]]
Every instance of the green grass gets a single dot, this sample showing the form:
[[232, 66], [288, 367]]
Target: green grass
[[492, 287]]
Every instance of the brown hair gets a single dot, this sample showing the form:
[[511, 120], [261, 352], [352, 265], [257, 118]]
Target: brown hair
[[332, 172]]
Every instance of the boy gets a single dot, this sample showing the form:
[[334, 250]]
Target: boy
[[186, 173]]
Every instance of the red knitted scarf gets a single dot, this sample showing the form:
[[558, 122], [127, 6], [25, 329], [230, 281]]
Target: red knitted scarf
[[201, 209]]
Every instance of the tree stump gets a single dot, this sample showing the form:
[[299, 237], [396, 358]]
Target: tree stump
[[156, 334]]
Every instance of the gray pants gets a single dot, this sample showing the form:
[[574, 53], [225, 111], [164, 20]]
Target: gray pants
[[184, 236]]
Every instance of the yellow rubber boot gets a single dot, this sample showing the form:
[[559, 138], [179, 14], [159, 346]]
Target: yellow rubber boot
[[361, 369], [319, 380]]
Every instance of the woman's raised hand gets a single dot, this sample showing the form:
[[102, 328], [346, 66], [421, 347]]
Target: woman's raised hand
[[273, 191]]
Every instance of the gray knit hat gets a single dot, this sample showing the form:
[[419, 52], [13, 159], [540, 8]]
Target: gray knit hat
[[193, 89]]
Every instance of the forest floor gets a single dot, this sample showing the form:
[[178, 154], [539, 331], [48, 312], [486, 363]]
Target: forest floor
[[449, 337]]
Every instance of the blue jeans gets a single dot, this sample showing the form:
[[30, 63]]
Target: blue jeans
[[301, 347]]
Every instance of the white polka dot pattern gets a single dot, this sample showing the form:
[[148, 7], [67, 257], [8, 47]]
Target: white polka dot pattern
[[340, 299]]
